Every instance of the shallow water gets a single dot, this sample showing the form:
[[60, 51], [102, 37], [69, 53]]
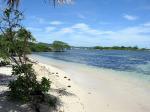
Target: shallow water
[[130, 61]]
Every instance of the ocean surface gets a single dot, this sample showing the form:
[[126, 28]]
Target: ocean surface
[[129, 61]]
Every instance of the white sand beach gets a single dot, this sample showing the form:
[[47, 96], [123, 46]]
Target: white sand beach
[[102, 90], [90, 89]]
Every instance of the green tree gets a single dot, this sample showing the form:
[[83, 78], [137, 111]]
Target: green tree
[[9, 23], [39, 47], [60, 46]]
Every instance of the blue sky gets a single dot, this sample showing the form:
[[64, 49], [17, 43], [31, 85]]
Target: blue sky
[[90, 22]]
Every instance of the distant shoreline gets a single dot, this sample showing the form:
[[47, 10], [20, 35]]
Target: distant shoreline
[[58, 46], [114, 48]]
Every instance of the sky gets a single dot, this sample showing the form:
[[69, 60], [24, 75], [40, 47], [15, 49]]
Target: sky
[[90, 22]]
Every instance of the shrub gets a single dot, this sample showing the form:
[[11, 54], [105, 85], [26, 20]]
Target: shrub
[[45, 85], [26, 86]]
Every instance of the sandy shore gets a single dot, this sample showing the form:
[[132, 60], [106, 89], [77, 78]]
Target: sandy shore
[[102, 90], [89, 89], [62, 87], [71, 102]]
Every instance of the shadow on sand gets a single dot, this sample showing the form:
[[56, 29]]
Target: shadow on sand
[[7, 105], [51, 104], [5, 79], [62, 92], [12, 106]]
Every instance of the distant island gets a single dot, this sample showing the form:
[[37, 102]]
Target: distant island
[[59, 46]]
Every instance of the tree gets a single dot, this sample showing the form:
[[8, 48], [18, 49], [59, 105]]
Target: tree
[[14, 43], [9, 23], [60, 46], [40, 47]]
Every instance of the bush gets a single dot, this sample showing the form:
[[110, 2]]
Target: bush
[[26, 86], [45, 85]]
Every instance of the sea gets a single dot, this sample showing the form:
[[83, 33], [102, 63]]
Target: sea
[[119, 60]]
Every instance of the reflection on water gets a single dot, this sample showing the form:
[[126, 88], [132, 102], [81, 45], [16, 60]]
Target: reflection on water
[[134, 61]]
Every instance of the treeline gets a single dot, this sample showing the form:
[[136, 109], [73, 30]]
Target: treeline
[[56, 46], [39, 47], [118, 48]]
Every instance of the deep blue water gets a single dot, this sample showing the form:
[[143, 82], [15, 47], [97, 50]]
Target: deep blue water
[[132, 61]]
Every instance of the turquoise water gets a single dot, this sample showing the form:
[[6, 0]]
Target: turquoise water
[[130, 61]]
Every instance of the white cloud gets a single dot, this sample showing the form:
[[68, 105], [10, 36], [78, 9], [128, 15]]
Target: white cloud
[[86, 29], [56, 23], [66, 30], [130, 17], [49, 29], [136, 30], [81, 26]]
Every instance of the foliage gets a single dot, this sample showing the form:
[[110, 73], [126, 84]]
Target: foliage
[[3, 49], [45, 85], [11, 42], [39, 47], [26, 85], [59, 46]]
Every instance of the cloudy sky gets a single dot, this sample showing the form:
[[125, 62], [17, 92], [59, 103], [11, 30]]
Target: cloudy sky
[[90, 22]]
